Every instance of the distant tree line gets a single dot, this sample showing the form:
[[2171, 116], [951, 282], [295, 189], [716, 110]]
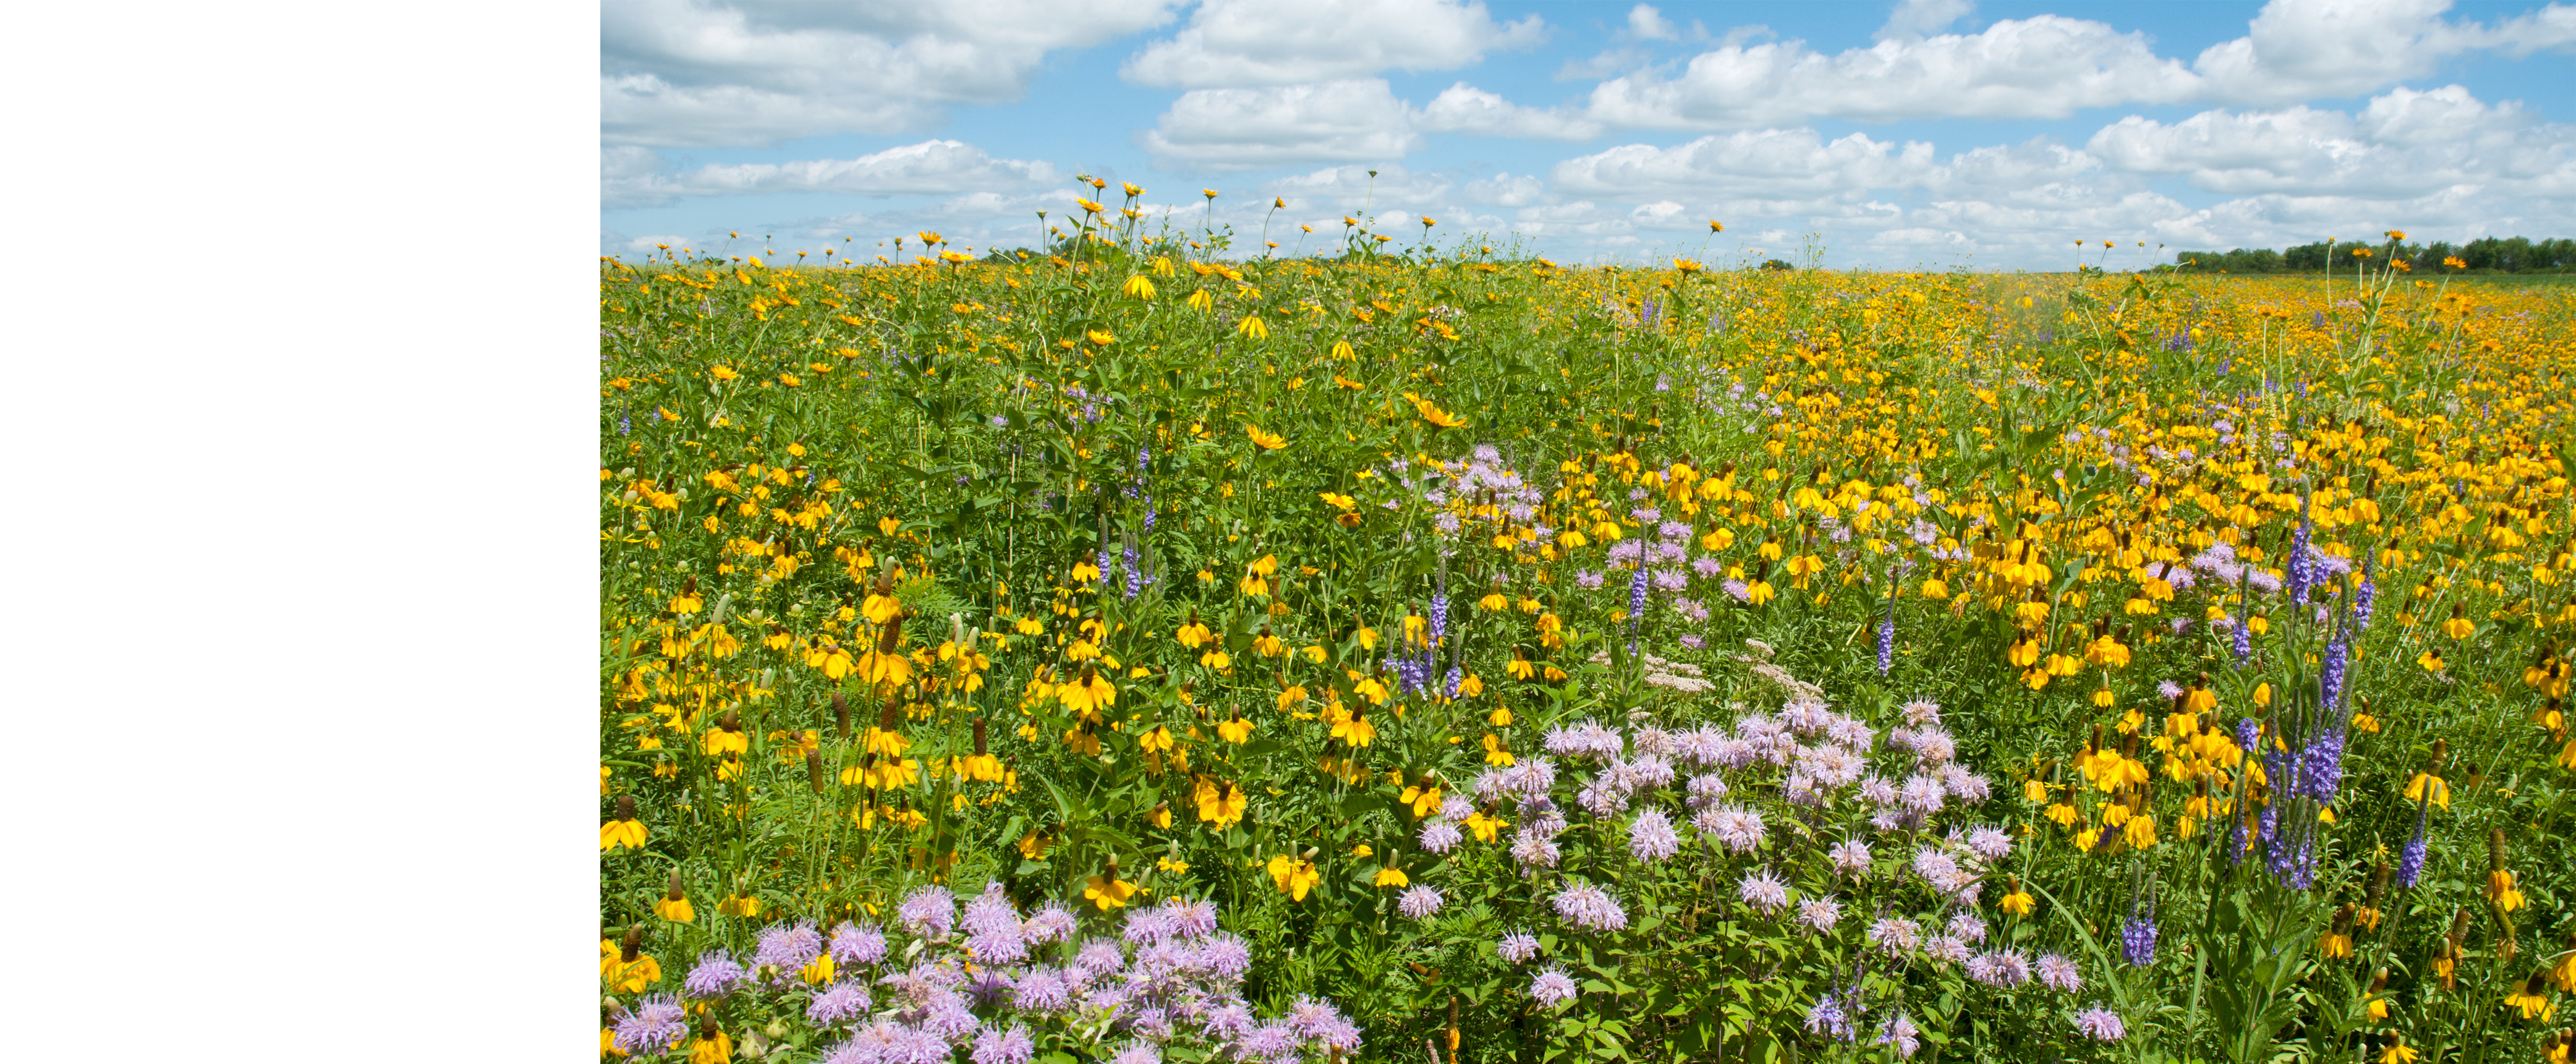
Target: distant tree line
[[2483, 255]]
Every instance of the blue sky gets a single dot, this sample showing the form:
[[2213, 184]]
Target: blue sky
[[1926, 133]]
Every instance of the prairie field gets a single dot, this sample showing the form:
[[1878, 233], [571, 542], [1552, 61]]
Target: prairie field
[[1125, 652]]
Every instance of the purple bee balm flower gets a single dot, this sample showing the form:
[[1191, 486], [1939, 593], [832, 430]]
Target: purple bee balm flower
[[657, 1023], [716, 975], [1651, 836], [1590, 908], [1456, 807], [1191, 917], [2100, 1024], [1734, 827], [1051, 923], [991, 914], [853, 944], [1518, 947], [1441, 836], [1041, 989], [1552, 988], [928, 912], [1421, 902], [1820, 913], [1850, 857], [790, 946], [1900, 1032], [1763, 890], [1225, 956], [2059, 974], [1896, 936], [994, 1045], [1990, 843], [1273, 1042], [1138, 1053], [845, 1000], [1148, 926]]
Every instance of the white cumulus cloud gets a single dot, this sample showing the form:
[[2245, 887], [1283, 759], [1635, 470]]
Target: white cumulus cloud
[[1255, 42], [2043, 67], [631, 177], [740, 73], [1233, 129], [1464, 108]]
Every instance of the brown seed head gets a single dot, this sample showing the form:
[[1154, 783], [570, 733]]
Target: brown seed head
[[625, 807], [633, 944]]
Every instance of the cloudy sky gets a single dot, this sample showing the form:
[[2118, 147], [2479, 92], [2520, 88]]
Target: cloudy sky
[[1919, 133]]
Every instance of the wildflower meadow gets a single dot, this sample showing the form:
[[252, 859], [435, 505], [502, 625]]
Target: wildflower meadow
[[1156, 647]]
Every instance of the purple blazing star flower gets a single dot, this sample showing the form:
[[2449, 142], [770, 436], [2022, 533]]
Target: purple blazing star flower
[[2410, 863], [2138, 940]]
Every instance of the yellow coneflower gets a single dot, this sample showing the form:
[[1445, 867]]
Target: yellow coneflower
[[2565, 970], [1221, 806], [623, 830], [2018, 902], [712, 1045], [674, 903], [2367, 916], [2500, 888], [1106, 890], [2337, 942], [2378, 996], [633, 969], [2533, 1000], [1295, 876]]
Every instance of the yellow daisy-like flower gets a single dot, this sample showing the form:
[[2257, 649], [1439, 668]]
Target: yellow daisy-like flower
[[1108, 891]]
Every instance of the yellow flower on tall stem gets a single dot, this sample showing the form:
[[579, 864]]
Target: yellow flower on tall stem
[[1106, 890], [624, 830], [674, 903]]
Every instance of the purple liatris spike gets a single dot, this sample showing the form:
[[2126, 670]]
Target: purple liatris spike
[[2330, 674], [2138, 939], [2321, 769], [2362, 600], [2410, 863], [1637, 596], [2244, 647], [1886, 645]]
